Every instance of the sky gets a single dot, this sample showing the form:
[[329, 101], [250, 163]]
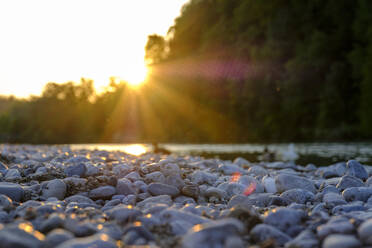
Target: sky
[[64, 40]]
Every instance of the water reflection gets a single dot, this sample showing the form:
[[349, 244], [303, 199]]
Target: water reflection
[[135, 149], [317, 153]]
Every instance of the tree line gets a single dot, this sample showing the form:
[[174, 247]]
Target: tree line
[[228, 71], [297, 70]]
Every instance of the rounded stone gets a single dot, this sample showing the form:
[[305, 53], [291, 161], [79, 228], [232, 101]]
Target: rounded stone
[[125, 187], [215, 192], [333, 199], [365, 232], [79, 199], [155, 177], [341, 241], [162, 189], [55, 188], [97, 240], [354, 168], [22, 235], [212, 234], [191, 190], [75, 170], [12, 190], [5, 202], [103, 192], [357, 193], [283, 218], [348, 181], [298, 196], [262, 232], [286, 182], [12, 174], [337, 227], [56, 237], [269, 184]]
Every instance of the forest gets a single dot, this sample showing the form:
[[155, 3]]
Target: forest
[[228, 71]]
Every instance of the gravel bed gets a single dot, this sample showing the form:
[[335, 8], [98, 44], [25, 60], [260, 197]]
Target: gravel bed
[[53, 196]]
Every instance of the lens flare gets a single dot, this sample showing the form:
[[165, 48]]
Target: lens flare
[[235, 177], [250, 189]]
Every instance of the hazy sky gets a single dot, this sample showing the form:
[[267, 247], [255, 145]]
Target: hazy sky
[[50, 40]]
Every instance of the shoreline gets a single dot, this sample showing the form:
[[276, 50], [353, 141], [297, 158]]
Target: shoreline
[[55, 196]]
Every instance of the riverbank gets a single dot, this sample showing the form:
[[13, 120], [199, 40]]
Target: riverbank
[[55, 196], [320, 154]]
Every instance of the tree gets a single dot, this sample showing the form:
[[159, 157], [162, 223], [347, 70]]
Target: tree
[[155, 49]]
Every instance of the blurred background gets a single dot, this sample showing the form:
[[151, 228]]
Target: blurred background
[[190, 72]]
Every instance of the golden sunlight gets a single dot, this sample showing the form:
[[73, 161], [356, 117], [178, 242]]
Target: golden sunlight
[[98, 40], [135, 149], [137, 76]]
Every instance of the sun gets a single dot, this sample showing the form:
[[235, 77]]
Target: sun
[[137, 76]]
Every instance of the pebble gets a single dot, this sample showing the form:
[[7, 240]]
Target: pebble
[[22, 235], [263, 232], [125, 187], [347, 208], [155, 177], [98, 240], [215, 192], [258, 171], [133, 176], [269, 184], [12, 174], [214, 234], [56, 237], [335, 170], [191, 190], [12, 190], [365, 232], [306, 239], [239, 161], [103, 192], [137, 234], [163, 189], [230, 169], [355, 169], [91, 198], [5, 202], [333, 199], [91, 170], [341, 241], [298, 196], [284, 218], [357, 194], [341, 227], [246, 215], [170, 215], [170, 169], [201, 177], [348, 182], [75, 170], [123, 213], [79, 199], [249, 181], [3, 167], [286, 182], [163, 199], [55, 188], [232, 188], [75, 182]]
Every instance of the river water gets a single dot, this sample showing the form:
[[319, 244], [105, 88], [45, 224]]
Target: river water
[[317, 153]]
